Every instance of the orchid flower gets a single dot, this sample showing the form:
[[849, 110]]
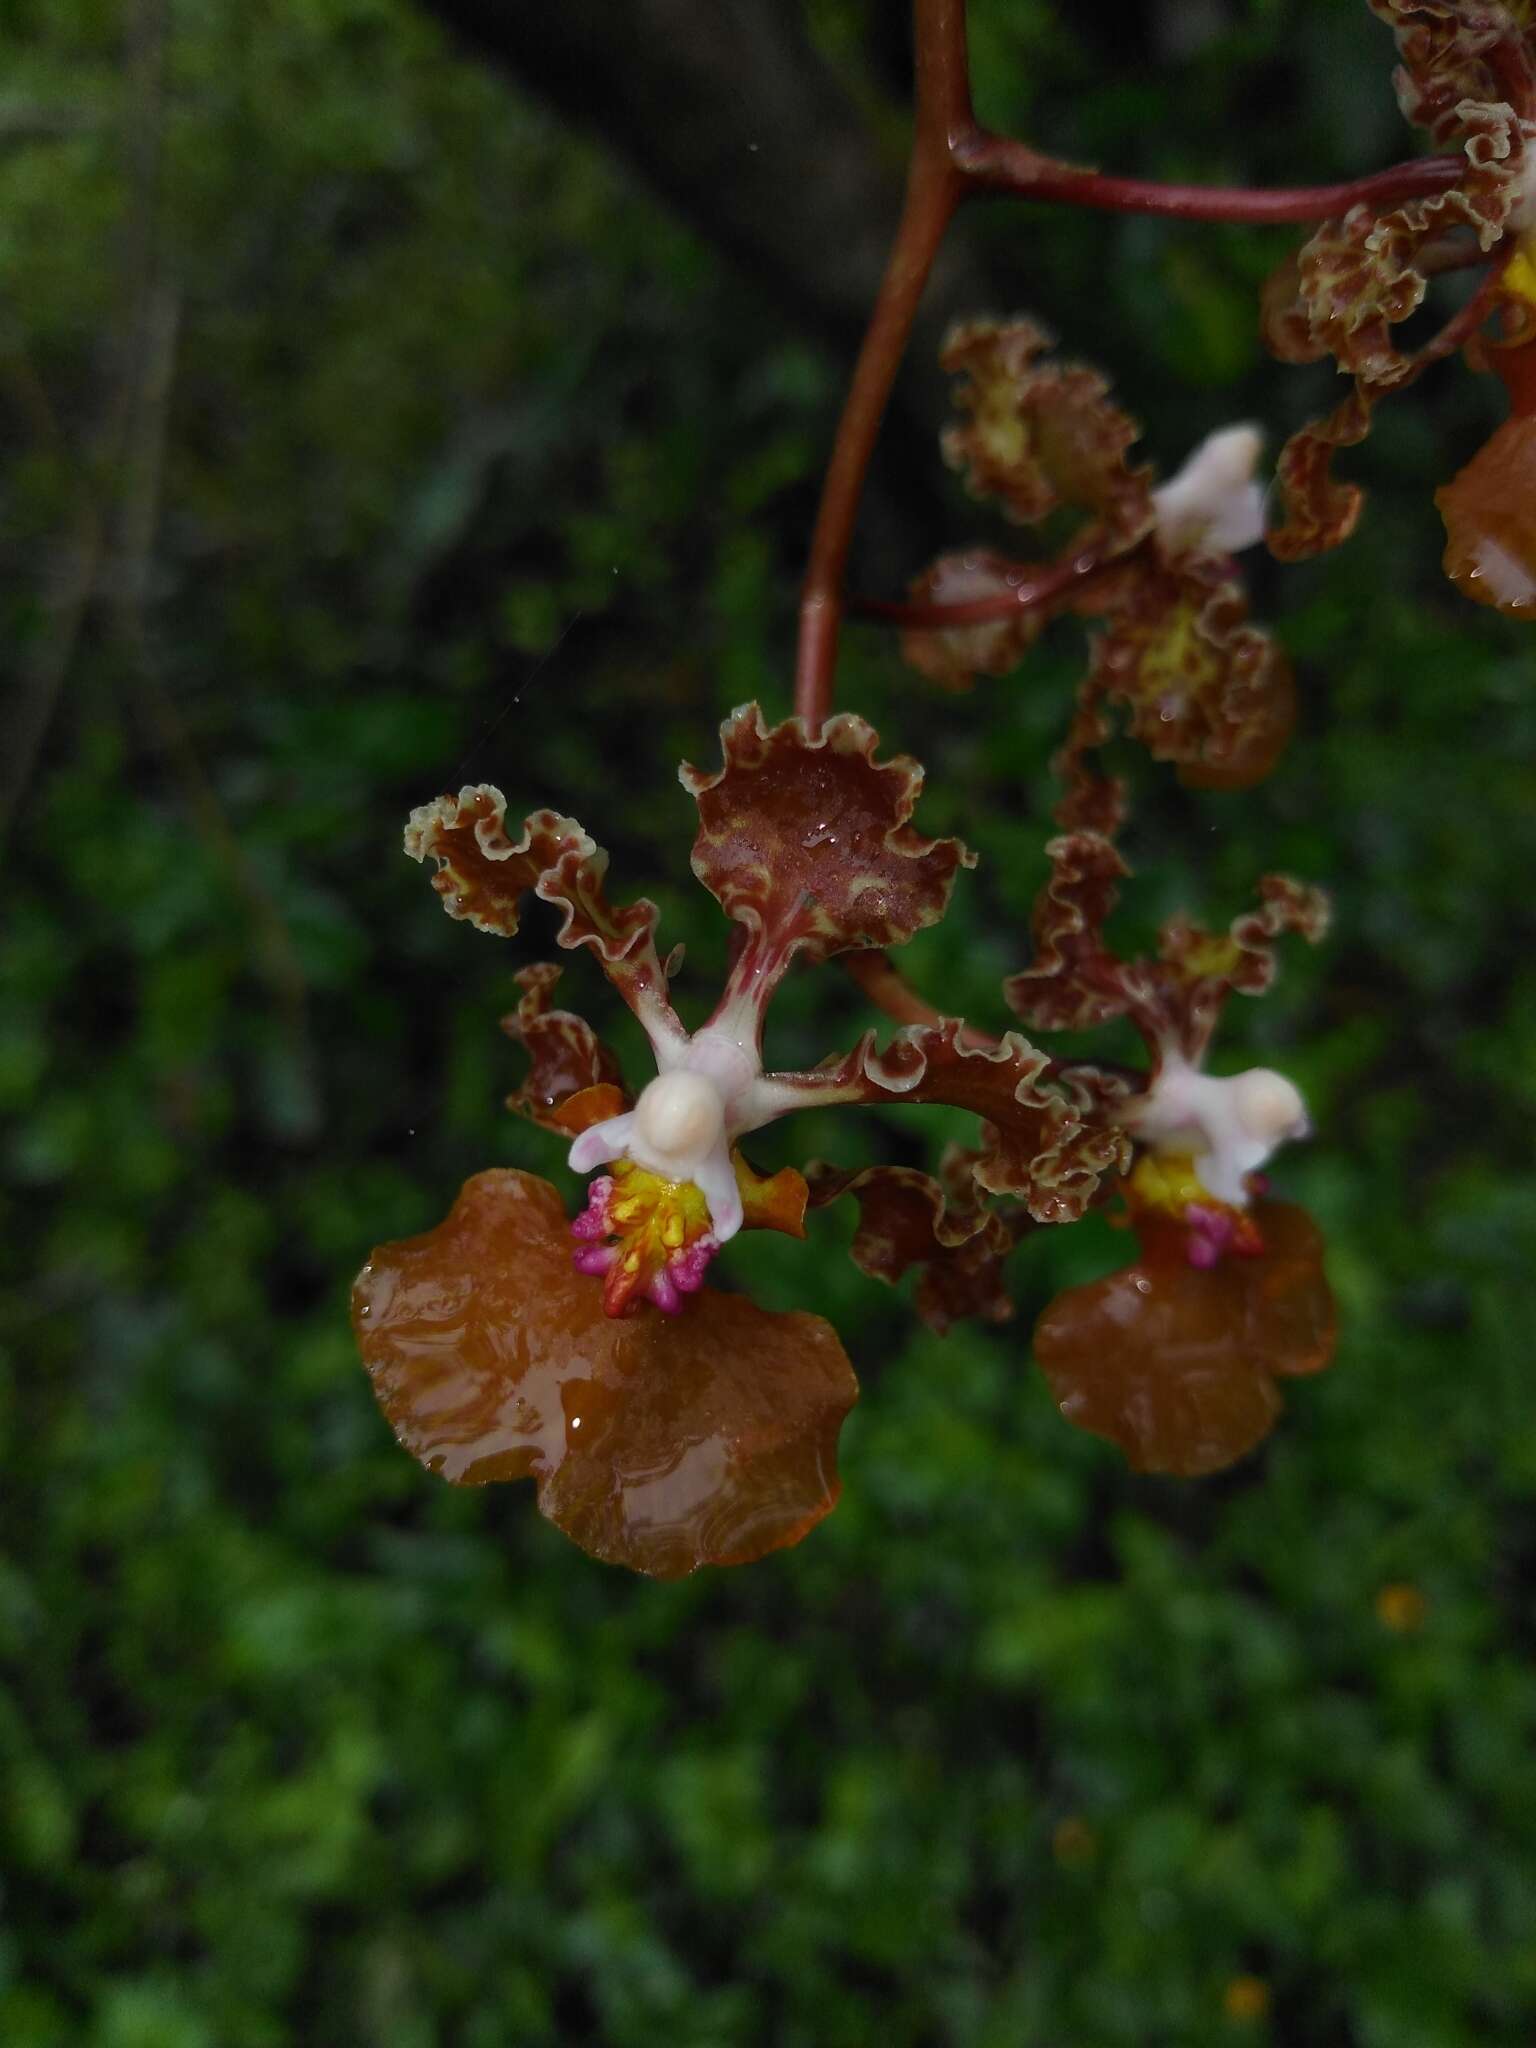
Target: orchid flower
[[1201, 687], [1174, 1358], [668, 1425], [1467, 77]]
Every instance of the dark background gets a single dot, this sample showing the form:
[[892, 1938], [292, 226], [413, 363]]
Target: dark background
[[376, 417]]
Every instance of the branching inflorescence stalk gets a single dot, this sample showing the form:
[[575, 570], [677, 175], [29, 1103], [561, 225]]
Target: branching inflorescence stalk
[[953, 158]]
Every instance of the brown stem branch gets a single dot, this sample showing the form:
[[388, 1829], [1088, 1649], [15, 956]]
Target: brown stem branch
[[934, 188], [995, 163]]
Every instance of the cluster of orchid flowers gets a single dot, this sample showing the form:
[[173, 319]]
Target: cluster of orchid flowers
[[1467, 78], [669, 1424]]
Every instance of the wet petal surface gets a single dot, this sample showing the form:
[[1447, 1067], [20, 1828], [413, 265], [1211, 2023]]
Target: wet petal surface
[[657, 1443], [1175, 1363]]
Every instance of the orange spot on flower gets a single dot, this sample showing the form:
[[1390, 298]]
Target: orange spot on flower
[[772, 1202], [589, 1106]]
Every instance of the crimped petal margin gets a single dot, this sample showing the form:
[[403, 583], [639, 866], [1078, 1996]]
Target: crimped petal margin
[[1074, 981], [483, 874], [1203, 687], [1048, 1137], [907, 1220], [1320, 512], [565, 1055], [1038, 436], [805, 841]]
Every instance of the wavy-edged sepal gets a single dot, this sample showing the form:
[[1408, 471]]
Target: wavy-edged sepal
[[1203, 687], [1073, 981], [565, 1055], [1041, 435], [1360, 275], [1242, 958], [655, 1443], [483, 874], [805, 841], [1176, 1364], [1183, 993], [1489, 509], [908, 1219], [954, 656], [1320, 512], [1090, 800], [1046, 1140], [1445, 47]]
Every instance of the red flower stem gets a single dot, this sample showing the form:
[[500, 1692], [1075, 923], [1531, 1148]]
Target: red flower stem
[[995, 163], [1463, 325], [934, 189], [1038, 587]]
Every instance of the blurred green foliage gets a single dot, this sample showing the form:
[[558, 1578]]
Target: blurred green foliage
[[472, 462]]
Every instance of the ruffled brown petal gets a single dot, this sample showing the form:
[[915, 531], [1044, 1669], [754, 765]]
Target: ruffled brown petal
[[1319, 511], [661, 1444], [805, 841], [1073, 982], [1047, 1139], [908, 1219], [1204, 688], [1445, 47], [565, 1055], [953, 656], [1285, 325], [483, 874], [1041, 435], [1176, 1364], [1196, 969], [1091, 800], [1489, 509], [1362, 275]]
